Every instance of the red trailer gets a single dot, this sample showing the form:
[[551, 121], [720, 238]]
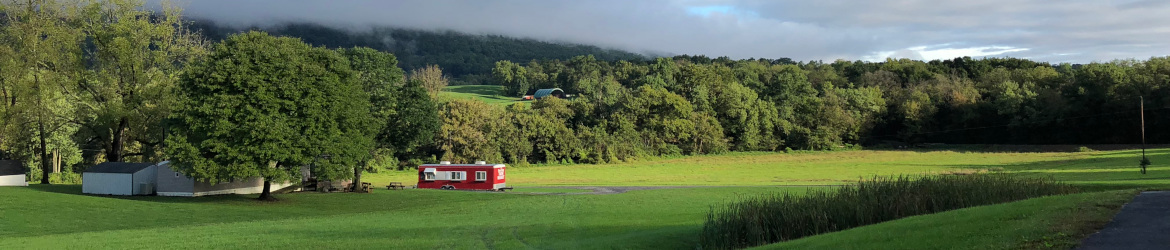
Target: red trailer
[[478, 176]]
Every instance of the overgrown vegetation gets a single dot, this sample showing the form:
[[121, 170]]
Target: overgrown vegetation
[[1053, 222], [779, 217]]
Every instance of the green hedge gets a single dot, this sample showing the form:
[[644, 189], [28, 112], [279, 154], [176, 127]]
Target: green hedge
[[780, 217]]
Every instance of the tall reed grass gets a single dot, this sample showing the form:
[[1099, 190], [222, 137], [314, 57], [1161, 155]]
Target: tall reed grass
[[785, 216]]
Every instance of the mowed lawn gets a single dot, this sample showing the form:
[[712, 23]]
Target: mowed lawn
[[833, 168], [59, 217]]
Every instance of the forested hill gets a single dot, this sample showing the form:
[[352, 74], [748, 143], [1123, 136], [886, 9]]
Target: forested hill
[[467, 58]]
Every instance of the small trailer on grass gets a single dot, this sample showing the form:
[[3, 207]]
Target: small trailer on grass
[[478, 176]]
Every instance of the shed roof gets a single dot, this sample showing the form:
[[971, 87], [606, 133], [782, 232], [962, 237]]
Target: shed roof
[[11, 167], [118, 167], [541, 93]]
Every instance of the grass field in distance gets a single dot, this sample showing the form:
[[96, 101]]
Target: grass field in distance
[[487, 93]]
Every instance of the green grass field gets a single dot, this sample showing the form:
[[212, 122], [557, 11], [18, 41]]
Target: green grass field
[[487, 93], [60, 217], [1114, 168]]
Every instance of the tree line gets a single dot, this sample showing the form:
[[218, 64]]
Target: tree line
[[697, 105]]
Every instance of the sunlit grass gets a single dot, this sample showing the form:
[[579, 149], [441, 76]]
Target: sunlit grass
[[57, 217], [60, 217], [834, 168], [487, 93]]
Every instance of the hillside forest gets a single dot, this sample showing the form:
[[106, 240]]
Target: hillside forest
[[85, 82]]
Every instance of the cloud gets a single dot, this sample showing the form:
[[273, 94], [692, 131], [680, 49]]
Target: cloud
[[1059, 31]]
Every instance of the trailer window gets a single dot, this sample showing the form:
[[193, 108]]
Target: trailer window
[[429, 176], [481, 175], [456, 176]]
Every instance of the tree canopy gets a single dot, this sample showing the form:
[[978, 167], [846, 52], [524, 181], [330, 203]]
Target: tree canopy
[[263, 106]]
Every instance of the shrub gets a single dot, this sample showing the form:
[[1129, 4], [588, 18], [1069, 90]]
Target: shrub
[[1084, 149], [785, 216], [65, 178]]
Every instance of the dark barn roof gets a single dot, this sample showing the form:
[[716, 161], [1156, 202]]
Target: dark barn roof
[[10, 167], [542, 93], [118, 167]]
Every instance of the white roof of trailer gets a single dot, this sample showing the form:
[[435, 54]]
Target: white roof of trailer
[[462, 165]]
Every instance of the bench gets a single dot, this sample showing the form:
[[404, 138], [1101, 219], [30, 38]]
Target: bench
[[395, 185]]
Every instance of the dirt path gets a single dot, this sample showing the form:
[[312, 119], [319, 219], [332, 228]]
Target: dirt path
[[623, 189], [1144, 223]]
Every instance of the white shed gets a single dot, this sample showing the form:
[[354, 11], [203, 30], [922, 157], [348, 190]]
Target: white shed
[[173, 183], [120, 178], [12, 173]]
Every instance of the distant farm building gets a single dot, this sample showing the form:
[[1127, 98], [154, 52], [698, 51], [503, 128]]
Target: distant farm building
[[124, 178], [12, 173], [544, 93], [173, 183], [119, 178]]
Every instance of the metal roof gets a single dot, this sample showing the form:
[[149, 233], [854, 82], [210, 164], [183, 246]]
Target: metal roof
[[462, 165], [10, 167], [118, 167], [541, 93]]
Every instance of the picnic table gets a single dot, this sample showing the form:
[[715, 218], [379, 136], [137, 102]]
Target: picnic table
[[365, 188], [395, 185]]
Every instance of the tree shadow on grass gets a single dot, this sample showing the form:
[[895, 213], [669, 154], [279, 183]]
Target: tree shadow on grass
[[482, 91], [76, 190]]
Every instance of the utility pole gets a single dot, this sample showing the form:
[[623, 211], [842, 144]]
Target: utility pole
[[1145, 161]]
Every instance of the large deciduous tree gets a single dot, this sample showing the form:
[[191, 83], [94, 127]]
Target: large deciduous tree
[[41, 56], [513, 77], [432, 79], [404, 114], [135, 59], [469, 130], [415, 122], [262, 106]]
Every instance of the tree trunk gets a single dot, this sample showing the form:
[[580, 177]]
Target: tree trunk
[[56, 160], [117, 143], [266, 195], [45, 167], [357, 179]]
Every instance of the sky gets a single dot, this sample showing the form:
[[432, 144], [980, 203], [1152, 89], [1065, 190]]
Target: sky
[[1073, 31]]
